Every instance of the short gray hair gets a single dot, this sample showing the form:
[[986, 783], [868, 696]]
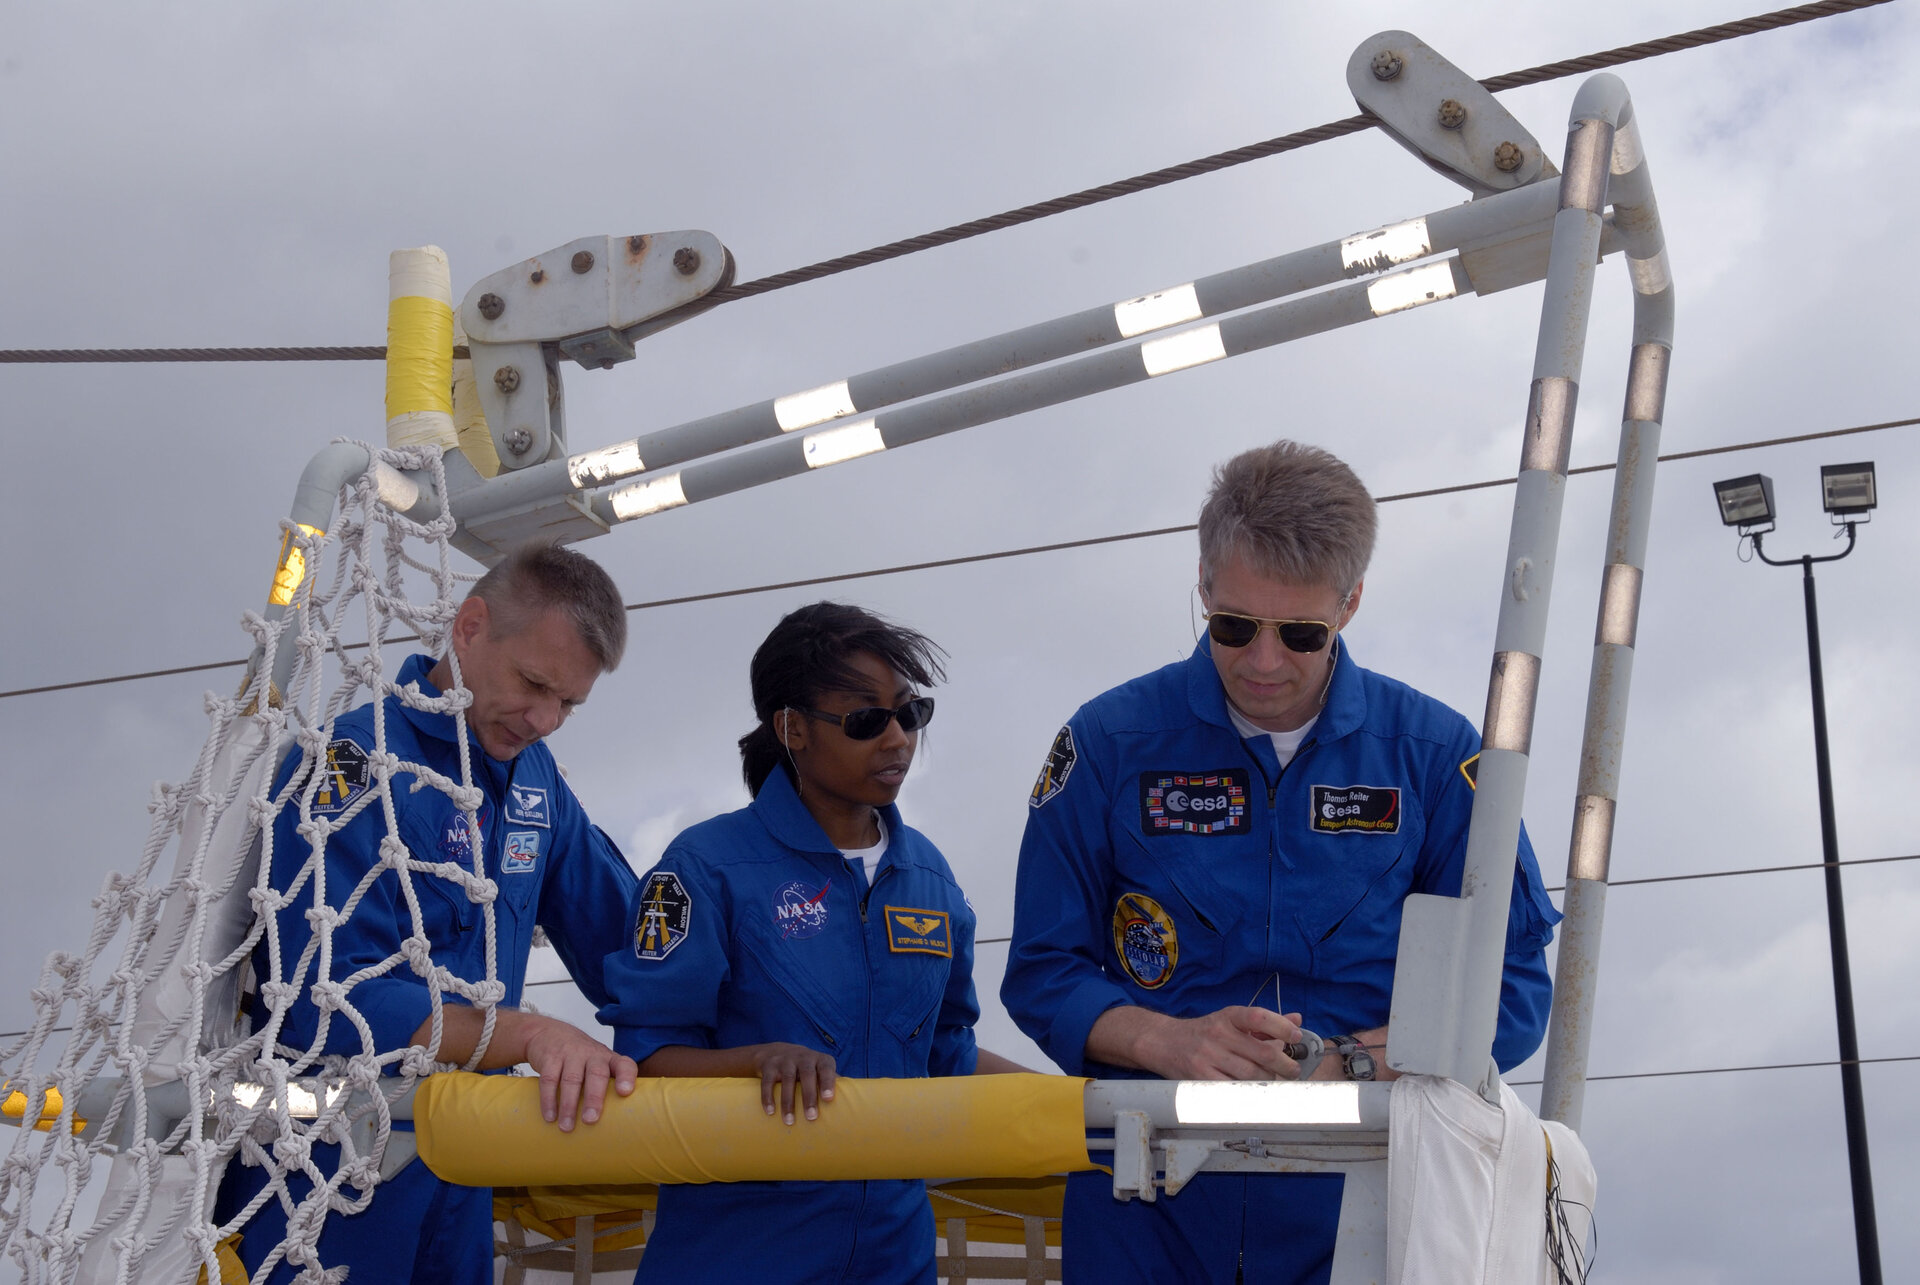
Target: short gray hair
[[1294, 512], [540, 575]]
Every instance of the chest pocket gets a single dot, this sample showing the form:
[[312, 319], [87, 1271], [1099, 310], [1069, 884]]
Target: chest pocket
[[912, 978], [1346, 887], [1191, 876], [440, 835], [788, 990]]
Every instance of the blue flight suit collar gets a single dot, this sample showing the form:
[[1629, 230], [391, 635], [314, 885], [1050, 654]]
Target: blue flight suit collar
[[779, 808], [1345, 710]]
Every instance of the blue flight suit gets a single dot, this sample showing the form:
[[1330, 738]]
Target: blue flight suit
[[753, 929], [552, 868], [1170, 864]]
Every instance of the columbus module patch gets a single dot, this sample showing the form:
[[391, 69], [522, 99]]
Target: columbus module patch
[[1194, 802], [1145, 940], [1363, 809], [666, 912]]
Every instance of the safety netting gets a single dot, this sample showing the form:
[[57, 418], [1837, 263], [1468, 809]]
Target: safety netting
[[143, 1059]]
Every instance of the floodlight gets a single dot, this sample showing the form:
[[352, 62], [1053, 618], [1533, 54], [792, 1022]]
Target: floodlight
[[1847, 488], [1745, 501]]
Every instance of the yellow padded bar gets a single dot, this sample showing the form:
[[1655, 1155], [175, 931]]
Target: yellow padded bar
[[486, 1131]]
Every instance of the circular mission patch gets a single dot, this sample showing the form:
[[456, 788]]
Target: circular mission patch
[[1145, 940]]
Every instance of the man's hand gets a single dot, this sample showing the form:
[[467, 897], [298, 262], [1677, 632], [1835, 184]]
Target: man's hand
[[574, 1070], [787, 1068], [1236, 1043]]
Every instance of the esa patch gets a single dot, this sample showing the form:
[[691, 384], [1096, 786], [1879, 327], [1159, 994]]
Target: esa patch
[[800, 910], [1055, 771], [1194, 802], [527, 805], [1471, 770], [1145, 940], [1362, 809], [666, 912], [919, 932], [522, 852], [343, 777]]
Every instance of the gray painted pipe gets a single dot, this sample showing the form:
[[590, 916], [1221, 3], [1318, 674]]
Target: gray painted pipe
[[1590, 848]]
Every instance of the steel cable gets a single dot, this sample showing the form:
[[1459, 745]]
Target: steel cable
[[1030, 213]]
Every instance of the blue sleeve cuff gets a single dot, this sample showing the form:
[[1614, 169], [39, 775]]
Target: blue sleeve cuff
[[642, 1042], [1067, 1045]]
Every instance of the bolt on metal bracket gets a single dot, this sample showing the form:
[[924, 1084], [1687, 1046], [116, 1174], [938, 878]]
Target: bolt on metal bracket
[[1444, 116], [588, 300]]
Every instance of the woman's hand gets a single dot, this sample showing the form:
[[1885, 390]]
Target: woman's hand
[[788, 1071]]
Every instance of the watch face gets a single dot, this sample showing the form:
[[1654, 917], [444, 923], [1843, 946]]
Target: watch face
[[1359, 1065]]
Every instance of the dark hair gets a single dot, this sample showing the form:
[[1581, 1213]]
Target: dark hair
[[540, 575], [810, 653]]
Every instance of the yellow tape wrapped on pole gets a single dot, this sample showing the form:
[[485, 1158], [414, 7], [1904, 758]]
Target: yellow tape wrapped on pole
[[486, 1131], [420, 349]]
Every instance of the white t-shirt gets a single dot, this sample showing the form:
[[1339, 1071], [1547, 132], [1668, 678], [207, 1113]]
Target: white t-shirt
[[1285, 744], [870, 857]]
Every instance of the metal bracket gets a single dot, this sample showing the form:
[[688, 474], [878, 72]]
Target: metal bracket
[[1442, 115], [589, 300]]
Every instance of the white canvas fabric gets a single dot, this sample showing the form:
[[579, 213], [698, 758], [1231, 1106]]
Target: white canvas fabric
[[1467, 1189]]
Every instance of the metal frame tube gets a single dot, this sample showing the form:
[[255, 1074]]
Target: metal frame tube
[[1590, 848], [1114, 368], [1460, 1048], [1360, 255]]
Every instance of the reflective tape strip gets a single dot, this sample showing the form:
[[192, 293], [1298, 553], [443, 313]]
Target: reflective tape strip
[[1157, 311], [836, 445], [1384, 247], [608, 464], [650, 496], [1410, 289], [1177, 352], [292, 567], [1650, 276], [815, 406]]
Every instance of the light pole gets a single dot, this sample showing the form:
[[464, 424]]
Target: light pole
[[1848, 494]]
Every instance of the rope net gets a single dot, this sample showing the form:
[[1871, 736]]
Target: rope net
[[161, 1073]]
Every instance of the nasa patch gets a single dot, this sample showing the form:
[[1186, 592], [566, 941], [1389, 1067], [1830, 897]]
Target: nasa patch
[[666, 912], [919, 932], [1055, 771], [1195, 802], [343, 777], [1145, 940], [800, 911], [1361, 809], [522, 852], [527, 805]]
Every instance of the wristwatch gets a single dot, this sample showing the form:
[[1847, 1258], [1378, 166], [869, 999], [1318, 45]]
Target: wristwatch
[[1354, 1058]]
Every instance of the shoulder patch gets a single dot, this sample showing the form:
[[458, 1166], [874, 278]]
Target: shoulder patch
[[1357, 809], [919, 932], [1145, 940], [343, 776], [1471, 770], [527, 805], [1195, 802], [1055, 771], [666, 913]]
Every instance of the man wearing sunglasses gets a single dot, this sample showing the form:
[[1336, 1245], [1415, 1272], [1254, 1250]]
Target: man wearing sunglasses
[[1216, 858]]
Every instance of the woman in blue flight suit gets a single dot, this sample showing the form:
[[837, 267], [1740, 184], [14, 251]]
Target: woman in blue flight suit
[[809, 934]]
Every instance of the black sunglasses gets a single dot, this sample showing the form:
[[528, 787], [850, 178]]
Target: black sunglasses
[[1232, 630], [865, 724]]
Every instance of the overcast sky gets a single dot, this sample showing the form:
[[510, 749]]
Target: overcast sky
[[235, 174]]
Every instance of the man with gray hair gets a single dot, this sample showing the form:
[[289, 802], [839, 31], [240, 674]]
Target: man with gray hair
[[1216, 858], [527, 644]]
